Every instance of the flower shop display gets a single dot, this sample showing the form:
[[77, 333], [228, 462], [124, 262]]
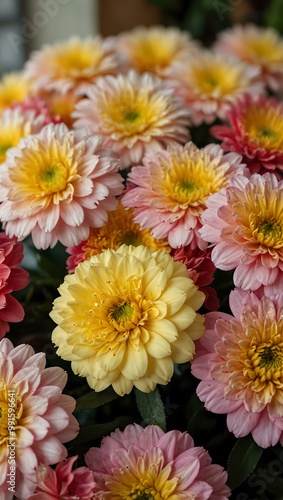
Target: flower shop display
[[141, 247]]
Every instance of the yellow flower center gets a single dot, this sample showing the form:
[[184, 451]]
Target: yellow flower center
[[264, 365], [131, 113], [147, 481], [267, 232], [10, 136], [264, 127], [124, 316], [190, 179], [12, 88], [77, 58], [263, 48], [152, 52], [217, 77], [53, 178], [46, 171]]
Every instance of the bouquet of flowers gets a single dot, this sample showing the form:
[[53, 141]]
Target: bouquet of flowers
[[141, 268]]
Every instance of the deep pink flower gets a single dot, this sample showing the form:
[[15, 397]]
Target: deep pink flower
[[172, 186], [42, 418], [12, 278], [244, 222], [62, 483], [200, 270], [153, 464], [239, 361], [254, 130]]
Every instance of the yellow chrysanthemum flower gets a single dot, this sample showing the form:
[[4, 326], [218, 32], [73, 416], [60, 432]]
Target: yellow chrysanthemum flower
[[119, 229], [125, 316], [13, 88]]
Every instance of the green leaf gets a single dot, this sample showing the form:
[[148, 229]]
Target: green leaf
[[92, 432], [242, 461], [95, 399], [151, 408]]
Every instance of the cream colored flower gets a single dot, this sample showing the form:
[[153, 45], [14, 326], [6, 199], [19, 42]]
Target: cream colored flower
[[125, 316]]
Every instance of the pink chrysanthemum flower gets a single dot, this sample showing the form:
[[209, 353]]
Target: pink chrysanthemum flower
[[245, 223], [135, 115], [62, 483], [12, 278], [42, 418], [71, 65], [209, 83], [172, 187], [149, 463], [200, 270], [56, 185], [254, 130], [256, 45], [16, 124], [154, 49], [239, 361]]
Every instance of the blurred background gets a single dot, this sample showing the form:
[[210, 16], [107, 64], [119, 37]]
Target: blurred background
[[25, 25]]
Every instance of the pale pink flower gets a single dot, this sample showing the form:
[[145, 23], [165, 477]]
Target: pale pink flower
[[62, 483], [261, 46], [200, 270], [171, 189], [210, 82], [150, 463], [244, 222], [42, 418], [254, 130], [154, 49], [135, 114], [71, 65], [12, 278], [57, 184], [239, 361]]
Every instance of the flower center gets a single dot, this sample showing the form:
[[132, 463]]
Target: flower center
[[131, 238], [53, 178], [190, 180], [122, 312], [140, 492], [264, 364], [152, 53], [131, 115], [218, 78], [264, 126], [4, 148], [77, 58], [132, 112], [269, 232]]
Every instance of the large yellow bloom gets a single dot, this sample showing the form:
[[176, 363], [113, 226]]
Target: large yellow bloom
[[125, 316]]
